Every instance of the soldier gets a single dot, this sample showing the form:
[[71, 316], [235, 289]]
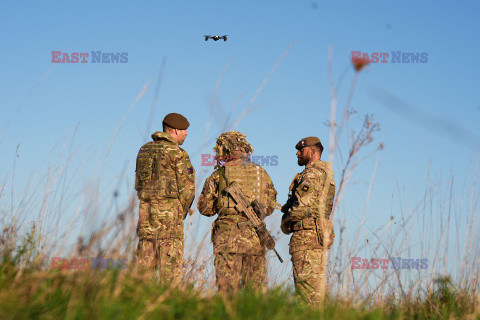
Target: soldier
[[165, 184], [307, 215], [239, 256]]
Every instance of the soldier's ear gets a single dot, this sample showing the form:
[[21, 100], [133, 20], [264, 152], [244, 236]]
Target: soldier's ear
[[311, 152]]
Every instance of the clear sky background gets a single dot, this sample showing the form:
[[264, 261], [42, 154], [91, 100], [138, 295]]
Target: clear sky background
[[79, 107]]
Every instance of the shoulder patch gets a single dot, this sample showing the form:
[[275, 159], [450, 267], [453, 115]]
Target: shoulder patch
[[306, 186], [190, 170]]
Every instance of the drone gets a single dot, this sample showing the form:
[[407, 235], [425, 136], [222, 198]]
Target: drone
[[215, 38]]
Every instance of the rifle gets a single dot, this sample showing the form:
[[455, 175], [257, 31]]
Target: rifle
[[253, 212]]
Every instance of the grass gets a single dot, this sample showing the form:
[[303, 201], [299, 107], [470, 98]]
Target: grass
[[31, 289], [126, 294]]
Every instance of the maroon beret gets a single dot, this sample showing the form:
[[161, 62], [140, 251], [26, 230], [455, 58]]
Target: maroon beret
[[176, 121]]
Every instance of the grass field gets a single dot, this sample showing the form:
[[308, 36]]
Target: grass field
[[34, 229], [42, 293]]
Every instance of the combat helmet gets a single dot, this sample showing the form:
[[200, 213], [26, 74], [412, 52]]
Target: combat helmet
[[231, 141]]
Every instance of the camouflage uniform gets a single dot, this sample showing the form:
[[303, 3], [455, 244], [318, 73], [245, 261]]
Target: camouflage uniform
[[239, 256], [307, 214], [165, 181]]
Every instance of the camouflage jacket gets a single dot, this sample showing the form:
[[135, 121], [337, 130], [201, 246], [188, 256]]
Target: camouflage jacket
[[311, 196], [164, 173], [230, 232]]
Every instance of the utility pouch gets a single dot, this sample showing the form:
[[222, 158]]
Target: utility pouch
[[325, 232]]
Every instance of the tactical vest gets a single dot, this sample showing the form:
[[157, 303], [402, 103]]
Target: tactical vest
[[323, 204], [250, 177], [155, 177], [327, 193], [315, 230], [324, 226]]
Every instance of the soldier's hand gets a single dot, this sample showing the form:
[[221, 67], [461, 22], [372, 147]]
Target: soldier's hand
[[286, 228], [286, 225], [260, 211]]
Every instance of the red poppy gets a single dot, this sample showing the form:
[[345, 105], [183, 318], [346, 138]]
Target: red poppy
[[360, 62]]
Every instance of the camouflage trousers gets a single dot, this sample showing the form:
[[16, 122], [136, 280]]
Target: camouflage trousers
[[235, 270], [166, 255], [309, 275]]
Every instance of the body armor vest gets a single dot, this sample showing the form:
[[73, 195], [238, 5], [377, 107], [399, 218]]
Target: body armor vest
[[155, 177], [323, 203], [250, 178], [314, 229], [327, 191]]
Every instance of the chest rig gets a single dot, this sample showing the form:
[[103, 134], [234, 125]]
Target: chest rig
[[250, 178], [155, 174]]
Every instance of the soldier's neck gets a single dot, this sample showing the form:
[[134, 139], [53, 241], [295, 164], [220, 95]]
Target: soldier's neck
[[312, 160]]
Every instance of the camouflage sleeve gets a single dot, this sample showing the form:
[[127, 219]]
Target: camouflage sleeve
[[289, 202], [185, 181], [306, 195], [208, 198], [271, 196]]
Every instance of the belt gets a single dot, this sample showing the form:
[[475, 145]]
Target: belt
[[153, 197], [305, 224]]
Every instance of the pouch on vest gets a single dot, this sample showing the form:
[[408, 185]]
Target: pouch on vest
[[144, 171], [325, 232]]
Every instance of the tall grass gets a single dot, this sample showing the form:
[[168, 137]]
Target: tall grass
[[34, 229], [441, 226]]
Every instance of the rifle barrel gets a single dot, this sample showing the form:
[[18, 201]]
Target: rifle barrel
[[278, 256]]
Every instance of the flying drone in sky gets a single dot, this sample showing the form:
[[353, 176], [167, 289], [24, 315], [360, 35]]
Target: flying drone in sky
[[215, 38]]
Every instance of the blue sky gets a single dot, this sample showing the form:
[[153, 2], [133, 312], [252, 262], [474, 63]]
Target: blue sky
[[47, 101]]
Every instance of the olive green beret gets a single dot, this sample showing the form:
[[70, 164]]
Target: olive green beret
[[176, 121], [307, 142]]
